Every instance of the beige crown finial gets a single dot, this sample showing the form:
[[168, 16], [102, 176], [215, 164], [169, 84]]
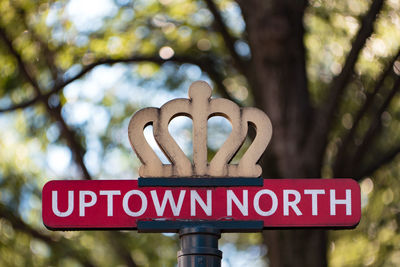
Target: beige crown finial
[[200, 107]]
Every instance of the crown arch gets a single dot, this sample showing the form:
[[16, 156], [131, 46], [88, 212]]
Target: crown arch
[[151, 164], [226, 108], [180, 164]]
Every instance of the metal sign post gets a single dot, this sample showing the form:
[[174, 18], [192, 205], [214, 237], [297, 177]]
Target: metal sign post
[[199, 247], [200, 200]]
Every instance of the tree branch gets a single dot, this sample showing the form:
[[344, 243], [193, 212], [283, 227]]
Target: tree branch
[[71, 138], [375, 125], [378, 163], [61, 245], [227, 37], [205, 65], [47, 53], [21, 105], [21, 65], [218, 79], [319, 138], [116, 241], [343, 149], [55, 112]]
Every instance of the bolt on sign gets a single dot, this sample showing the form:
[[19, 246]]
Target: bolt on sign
[[230, 197]]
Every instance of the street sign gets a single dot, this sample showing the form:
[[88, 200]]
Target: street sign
[[200, 198], [122, 204]]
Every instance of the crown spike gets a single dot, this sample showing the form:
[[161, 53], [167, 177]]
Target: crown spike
[[200, 94], [200, 90]]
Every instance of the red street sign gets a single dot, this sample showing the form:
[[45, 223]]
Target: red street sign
[[122, 204]]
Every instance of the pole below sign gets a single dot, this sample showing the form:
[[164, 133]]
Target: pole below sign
[[124, 204]]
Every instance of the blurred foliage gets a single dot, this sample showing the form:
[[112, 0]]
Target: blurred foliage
[[58, 39], [375, 242]]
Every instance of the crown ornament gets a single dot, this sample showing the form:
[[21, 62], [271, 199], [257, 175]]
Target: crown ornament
[[199, 107]]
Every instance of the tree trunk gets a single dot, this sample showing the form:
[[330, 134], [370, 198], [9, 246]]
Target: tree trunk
[[290, 248], [277, 75]]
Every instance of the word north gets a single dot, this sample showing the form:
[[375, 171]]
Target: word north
[[279, 203]]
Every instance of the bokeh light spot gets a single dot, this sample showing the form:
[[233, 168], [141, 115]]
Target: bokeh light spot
[[166, 52], [204, 44]]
